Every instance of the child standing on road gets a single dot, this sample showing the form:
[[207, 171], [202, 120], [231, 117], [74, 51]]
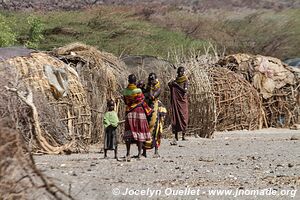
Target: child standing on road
[[111, 122]]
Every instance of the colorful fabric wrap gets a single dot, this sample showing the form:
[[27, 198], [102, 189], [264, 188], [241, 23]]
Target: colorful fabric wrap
[[156, 125], [155, 87], [151, 91], [136, 126], [134, 97]]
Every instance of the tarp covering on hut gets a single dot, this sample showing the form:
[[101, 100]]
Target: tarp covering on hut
[[276, 82]]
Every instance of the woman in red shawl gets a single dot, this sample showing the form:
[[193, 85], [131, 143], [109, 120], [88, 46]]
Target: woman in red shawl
[[137, 110], [179, 104]]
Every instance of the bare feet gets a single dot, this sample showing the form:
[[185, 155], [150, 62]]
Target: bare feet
[[127, 158], [156, 155], [174, 142]]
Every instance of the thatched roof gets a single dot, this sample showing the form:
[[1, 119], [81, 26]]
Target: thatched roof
[[58, 97]]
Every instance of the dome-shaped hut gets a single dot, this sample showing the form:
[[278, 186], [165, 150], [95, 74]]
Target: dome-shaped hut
[[103, 76], [277, 83], [59, 118]]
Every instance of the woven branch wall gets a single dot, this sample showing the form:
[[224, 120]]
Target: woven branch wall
[[238, 104], [103, 77], [72, 110], [277, 84], [283, 108], [202, 108]]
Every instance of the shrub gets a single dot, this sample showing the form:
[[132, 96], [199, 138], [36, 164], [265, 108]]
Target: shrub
[[7, 36], [35, 34]]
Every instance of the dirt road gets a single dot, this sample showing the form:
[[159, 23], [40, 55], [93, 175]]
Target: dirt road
[[262, 164]]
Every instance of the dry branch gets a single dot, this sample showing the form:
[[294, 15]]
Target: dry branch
[[28, 99], [20, 179]]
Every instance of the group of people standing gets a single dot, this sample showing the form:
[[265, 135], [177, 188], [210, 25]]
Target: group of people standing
[[145, 114]]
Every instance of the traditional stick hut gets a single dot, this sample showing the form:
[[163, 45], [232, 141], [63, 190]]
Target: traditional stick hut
[[103, 76], [220, 99], [201, 102], [237, 103], [54, 115], [277, 84]]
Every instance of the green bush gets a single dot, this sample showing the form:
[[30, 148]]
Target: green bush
[[7, 36], [35, 35]]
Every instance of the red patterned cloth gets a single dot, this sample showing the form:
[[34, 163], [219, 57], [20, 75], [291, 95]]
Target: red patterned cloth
[[136, 126]]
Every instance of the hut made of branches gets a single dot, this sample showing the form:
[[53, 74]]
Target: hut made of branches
[[277, 84], [238, 104], [20, 179], [46, 100], [202, 108], [103, 76], [220, 99], [201, 102]]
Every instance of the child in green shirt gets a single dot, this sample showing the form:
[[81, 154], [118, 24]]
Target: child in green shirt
[[111, 122]]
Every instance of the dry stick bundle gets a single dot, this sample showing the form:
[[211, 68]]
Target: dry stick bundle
[[63, 118], [20, 179], [237, 102], [276, 82], [103, 77]]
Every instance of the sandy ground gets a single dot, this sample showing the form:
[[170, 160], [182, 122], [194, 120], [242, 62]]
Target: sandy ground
[[262, 164]]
